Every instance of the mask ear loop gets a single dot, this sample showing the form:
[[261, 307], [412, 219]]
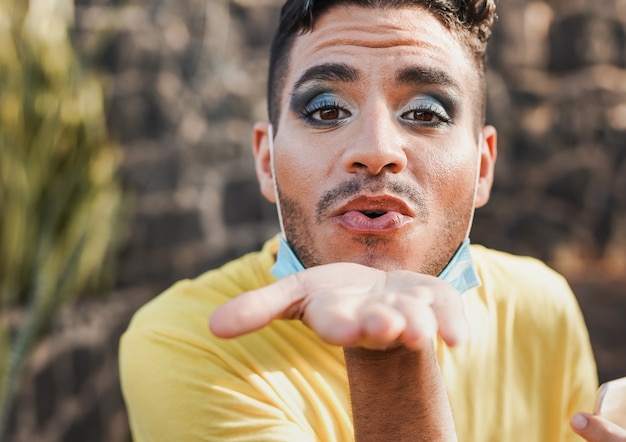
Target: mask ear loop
[[270, 134], [478, 160]]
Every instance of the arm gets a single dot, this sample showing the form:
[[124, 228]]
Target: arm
[[386, 322], [407, 388]]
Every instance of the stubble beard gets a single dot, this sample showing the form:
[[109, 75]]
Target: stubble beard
[[300, 228]]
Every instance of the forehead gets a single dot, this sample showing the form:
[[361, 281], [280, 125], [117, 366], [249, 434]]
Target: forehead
[[381, 41]]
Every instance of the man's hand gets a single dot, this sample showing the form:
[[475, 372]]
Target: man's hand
[[353, 306], [595, 429]]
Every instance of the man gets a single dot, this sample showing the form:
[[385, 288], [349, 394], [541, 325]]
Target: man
[[376, 155]]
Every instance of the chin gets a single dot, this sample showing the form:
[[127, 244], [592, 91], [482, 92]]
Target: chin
[[380, 252]]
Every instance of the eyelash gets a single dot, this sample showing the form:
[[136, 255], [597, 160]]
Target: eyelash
[[324, 103], [321, 103], [433, 108]]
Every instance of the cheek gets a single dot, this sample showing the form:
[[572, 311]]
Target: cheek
[[450, 177], [296, 174], [305, 167]]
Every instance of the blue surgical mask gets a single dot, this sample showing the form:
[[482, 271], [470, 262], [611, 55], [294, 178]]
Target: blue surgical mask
[[460, 272]]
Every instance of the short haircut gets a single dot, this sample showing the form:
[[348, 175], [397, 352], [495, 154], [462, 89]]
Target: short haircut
[[471, 20]]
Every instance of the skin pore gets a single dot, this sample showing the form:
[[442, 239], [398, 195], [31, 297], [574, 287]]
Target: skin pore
[[376, 154]]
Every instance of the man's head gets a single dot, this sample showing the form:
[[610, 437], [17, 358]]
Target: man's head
[[380, 154], [471, 20]]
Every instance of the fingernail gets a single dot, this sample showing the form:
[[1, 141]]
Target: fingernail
[[579, 421]]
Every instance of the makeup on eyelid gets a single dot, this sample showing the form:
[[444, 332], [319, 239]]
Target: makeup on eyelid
[[308, 104]]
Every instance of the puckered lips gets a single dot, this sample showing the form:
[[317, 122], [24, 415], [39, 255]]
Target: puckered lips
[[373, 214]]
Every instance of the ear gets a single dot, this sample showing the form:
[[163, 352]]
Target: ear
[[488, 154], [263, 160]]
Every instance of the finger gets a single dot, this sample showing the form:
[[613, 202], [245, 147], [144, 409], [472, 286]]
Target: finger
[[381, 325], [372, 326], [421, 323], [336, 324], [254, 310], [450, 316], [596, 429], [445, 302]]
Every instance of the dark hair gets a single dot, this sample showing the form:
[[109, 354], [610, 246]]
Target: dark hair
[[471, 19]]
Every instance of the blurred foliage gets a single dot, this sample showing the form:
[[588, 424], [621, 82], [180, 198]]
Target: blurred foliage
[[59, 196]]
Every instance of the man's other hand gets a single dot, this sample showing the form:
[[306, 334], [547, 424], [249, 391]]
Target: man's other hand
[[595, 429]]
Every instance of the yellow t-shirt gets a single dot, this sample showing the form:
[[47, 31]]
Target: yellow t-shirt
[[527, 367]]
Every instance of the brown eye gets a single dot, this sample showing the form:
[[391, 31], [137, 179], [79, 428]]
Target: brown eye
[[423, 116], [426, 111], [326, 111], [331, 113]]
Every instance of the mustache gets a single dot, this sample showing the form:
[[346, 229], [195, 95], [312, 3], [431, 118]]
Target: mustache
[[357, 185]]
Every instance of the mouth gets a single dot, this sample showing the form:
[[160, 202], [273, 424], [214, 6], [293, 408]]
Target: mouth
[[373, 214], [375, 206], [378, 215]]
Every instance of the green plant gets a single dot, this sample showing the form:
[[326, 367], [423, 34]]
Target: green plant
[[59, 196]]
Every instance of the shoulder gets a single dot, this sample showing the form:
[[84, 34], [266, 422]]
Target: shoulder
[[183, 309], [524, 284], [497, 268], [198, 297], [529, 300], [529, 312], [175, 323]]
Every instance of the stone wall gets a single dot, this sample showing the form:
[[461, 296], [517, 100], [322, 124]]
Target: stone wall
[[558, 96], [186, 80], [71, 392]]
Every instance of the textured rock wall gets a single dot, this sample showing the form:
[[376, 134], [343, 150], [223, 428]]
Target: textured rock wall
[[558, 96], [186, 82]]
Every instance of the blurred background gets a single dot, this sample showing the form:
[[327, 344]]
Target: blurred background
[[125, 165]]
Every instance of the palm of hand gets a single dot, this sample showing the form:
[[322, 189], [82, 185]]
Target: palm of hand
[[352, 305]]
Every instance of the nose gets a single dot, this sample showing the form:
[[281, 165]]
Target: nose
[[377, 144]]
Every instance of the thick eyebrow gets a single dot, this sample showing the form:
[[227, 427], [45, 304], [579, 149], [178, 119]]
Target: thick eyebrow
[[328, 72], [418, 75]]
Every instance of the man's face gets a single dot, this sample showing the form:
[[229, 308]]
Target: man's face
[[377, 152]]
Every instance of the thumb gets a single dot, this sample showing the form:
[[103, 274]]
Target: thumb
[[596, 429], [255, 309]]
